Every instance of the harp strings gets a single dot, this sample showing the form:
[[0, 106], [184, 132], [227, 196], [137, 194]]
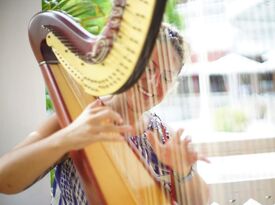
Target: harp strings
[[166, 67], [130, 117], [159, 77], [132, 108], [162, 66], [82, 98]]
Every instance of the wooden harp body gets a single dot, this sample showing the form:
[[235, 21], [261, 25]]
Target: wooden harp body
[[61, 47]]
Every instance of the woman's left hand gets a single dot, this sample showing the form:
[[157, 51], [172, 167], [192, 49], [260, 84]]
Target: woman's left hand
[[176, 152]]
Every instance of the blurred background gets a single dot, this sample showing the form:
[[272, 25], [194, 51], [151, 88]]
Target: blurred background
[[224, 96], [22, 101]]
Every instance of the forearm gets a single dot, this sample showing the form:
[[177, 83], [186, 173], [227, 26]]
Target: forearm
[[21, 167], [192, 191], [46, 129]]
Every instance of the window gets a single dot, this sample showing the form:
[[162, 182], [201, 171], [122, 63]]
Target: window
[[218, 83], [245, 84], [266, 83], [188, 84]]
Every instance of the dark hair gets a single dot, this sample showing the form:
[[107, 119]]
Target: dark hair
[[171, 33]]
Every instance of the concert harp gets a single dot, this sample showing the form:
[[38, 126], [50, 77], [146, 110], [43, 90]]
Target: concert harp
[[100, 65]]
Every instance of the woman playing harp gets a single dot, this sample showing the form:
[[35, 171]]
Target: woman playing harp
[[48, 145], [168, 156]]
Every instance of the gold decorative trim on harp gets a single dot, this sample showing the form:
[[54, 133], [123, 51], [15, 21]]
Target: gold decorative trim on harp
[[59, 45]]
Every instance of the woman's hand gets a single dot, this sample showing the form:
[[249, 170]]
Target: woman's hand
[[49, 143], [176, 153], [95, 123]]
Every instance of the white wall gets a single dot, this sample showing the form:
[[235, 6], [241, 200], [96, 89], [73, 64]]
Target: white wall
[[22, 101]]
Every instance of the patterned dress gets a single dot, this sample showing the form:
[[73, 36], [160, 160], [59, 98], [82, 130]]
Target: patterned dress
[[160, 171], [66, 187]]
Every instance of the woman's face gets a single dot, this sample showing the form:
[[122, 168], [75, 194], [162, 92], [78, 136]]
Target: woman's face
[[156, 79]]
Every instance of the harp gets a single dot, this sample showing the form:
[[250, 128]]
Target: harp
[[63, 48]]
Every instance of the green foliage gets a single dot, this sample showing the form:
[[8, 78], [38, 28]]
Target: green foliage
[[227, 119], [93, 14], [52, 176], [49, 104], [90, 14], [172, 16]]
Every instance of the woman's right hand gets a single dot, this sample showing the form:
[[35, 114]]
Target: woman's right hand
[[96, 123], [48, 144]]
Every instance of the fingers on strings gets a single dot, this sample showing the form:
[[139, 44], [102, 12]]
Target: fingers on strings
[[180, 144], [155, 143], [116, 129], [109, 124], [103, 114]]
